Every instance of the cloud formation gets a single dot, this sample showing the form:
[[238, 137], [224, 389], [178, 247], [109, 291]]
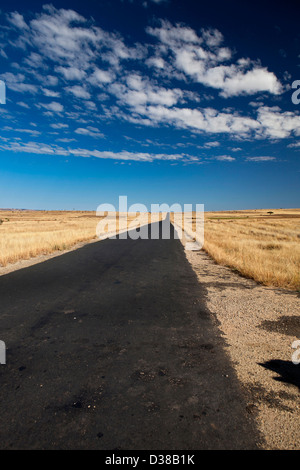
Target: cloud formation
[[124, 155], [205, 60], [79, 76]]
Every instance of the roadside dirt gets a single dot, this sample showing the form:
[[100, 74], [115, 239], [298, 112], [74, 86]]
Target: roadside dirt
[[259, 326]]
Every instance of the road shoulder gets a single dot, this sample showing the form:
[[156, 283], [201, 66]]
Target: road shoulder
[[259, 325]]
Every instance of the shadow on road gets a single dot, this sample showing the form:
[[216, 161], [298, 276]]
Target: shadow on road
[[112, 346]]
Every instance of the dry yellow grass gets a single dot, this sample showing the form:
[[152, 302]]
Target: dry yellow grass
[[260, 245], [26, 234]]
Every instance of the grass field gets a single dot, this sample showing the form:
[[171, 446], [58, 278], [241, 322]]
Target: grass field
[[26, 234], [261, 244]]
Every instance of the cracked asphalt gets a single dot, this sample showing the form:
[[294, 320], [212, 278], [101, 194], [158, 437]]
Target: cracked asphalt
[[112, 347]]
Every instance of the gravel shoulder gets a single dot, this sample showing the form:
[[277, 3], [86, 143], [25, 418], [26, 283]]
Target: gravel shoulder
[[259, 325]]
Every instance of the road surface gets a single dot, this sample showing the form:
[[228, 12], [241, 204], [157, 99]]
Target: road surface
[[112, 347]]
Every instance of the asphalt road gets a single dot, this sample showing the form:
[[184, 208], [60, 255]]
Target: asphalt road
[[112, 347]]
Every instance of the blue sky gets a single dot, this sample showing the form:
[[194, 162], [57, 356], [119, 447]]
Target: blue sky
[[164, 101]]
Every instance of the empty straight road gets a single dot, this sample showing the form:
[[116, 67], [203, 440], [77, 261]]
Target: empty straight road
[[112, 347]]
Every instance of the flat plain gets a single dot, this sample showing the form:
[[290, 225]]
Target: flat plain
[[263, 245]]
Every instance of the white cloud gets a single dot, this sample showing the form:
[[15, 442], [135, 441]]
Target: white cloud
[[139, 91], [225, 158], [53, 106], [100, 77], [270, 123], [2, 51], [67, 38], [89, 131], [260, 159], [276, 124], [59, 125], [232, 80], [90, 105], [50, 93], [46, 149], [156, 62], [240, 82], [17, 20], [35, 61], [71, 73], [35, 148], [127, 156], [174, 35], [256, 104], [50, 80], [214, 143], [66, 140], [204, 60], [294, 145], [212, 37], [23, 105], [206, 120], [17, 82], [79, 92], [25, 131]]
